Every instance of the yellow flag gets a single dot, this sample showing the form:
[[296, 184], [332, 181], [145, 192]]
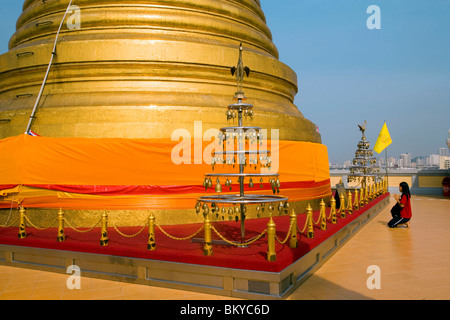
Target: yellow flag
[[384, 139]]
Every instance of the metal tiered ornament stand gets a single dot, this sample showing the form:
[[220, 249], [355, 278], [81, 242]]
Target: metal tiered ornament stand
[[364, 165], [241, 139]]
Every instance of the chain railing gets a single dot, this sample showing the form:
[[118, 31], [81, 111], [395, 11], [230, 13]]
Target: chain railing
[[346, 207]]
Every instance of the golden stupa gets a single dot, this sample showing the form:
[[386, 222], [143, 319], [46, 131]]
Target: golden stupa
[[142, 68]]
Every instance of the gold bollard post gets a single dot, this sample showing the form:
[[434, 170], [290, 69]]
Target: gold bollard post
[[333, 211], [367, 196], [293, 241], [323, 216], [342, 206], [207, 248], [22, 231], [356, 204], [350, 203], [151, 244], [309, 221], [61, 236], [104, 240], [362, 198], [271, 254]]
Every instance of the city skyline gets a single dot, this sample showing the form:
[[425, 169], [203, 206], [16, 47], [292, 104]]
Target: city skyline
[[348, 73], [404, 160]]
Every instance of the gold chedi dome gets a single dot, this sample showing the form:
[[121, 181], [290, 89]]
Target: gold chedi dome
[[143, 68]]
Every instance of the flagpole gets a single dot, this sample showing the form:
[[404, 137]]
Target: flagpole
[[387, 175], [30, 122]]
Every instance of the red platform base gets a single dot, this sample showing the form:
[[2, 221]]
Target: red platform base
[[252, 257]]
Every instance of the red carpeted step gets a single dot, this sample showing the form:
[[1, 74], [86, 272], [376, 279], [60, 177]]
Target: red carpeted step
[[252, 257]]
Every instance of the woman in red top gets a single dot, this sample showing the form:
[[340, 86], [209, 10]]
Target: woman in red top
[[405, 203]]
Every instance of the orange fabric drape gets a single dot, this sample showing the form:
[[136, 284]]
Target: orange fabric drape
[[33, 161]]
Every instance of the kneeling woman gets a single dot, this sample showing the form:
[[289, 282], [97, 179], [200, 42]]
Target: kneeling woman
[[404, 201]]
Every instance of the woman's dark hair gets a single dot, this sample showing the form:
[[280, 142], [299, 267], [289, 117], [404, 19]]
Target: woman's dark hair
[[405, 189]]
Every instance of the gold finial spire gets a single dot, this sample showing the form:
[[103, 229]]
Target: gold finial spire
[[239, 70]]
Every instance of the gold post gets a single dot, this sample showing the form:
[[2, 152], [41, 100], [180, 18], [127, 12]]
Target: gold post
[[367, 196], [271, 254], [350, 203], [293, 241], [61, 236], [323, 216], [151, 245], [362, 198], [386, 186], [333, 211], [356, 204], [342, 206], [22, 230], [207, 248], [104, 238], [309, 221]]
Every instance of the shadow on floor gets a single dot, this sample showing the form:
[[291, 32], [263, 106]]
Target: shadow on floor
[[317, 288]]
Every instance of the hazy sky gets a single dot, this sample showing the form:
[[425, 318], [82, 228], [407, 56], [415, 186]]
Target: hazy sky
[[348, 73]]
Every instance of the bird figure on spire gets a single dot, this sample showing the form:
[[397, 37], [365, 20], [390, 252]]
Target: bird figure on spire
[[239, 71], [363, 128]]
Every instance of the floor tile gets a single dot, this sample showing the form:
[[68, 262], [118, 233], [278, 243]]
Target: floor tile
[[413, 264]]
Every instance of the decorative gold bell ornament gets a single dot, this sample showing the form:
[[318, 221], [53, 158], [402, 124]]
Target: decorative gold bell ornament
[[218, 186]]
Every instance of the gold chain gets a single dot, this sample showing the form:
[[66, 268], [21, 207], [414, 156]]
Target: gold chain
[[9, 216], [12, 223], [180, 239], [318, 219], [287, 236], [238, 244], [126, 235], [40, 228], [304, 227], [329, 217], [82, 231]]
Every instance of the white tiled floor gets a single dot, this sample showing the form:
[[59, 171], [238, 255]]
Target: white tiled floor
[[413, 264]]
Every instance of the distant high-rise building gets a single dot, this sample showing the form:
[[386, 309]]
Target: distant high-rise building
[[405, 160], [443, 152], [433, 160], [448, 140]]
